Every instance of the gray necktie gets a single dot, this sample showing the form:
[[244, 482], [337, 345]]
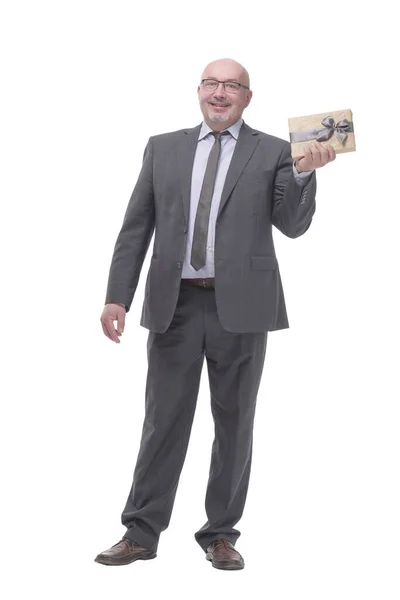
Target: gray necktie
[[198, 257]]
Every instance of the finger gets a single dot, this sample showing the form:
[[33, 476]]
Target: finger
[[105, 331], [323, 152], [315, 155], [121, 322], [307, 153], [331, 152], [109, 325]]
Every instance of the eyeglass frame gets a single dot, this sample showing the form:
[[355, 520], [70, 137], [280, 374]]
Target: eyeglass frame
[[223, 83]]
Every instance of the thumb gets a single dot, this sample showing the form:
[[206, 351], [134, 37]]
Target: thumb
[[121, 322]]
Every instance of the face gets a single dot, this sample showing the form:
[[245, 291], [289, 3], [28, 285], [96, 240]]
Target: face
[[220, 108]]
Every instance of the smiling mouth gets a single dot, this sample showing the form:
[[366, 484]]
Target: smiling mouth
[[219, 105]]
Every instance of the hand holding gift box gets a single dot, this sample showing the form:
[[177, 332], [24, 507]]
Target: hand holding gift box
[[315, 156], [309, 137]]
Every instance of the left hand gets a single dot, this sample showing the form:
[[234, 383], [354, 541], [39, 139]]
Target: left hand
[[315, 156]]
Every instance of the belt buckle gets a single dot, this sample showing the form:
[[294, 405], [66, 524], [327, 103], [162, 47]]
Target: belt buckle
[[204, 283]]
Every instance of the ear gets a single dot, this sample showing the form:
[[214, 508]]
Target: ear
[[249, 97]]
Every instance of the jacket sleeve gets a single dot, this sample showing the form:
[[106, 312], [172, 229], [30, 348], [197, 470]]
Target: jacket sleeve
[[293, 203], [134, 237]]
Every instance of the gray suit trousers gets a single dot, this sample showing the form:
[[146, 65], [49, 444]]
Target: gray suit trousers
[[175, 360]]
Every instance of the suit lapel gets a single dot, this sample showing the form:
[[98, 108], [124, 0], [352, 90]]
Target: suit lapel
[[245, 146], [185, 153]]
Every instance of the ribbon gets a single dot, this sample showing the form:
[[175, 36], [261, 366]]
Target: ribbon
[[340, 130]]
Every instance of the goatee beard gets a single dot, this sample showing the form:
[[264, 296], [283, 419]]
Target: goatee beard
[[215, 118]]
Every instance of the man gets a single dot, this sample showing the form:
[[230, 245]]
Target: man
[[212, 194]]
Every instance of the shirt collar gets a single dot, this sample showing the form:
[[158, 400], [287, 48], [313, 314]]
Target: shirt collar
[[233, 129]]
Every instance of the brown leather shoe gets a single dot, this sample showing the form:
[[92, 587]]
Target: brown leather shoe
[[224, 556], [124, 552]]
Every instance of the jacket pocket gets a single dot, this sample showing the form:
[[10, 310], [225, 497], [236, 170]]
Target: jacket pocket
[[261, 263]]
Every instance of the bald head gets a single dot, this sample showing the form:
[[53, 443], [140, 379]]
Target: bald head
[[226, 68], [222, 107]]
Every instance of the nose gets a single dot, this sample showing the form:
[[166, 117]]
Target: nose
[[220, 90]]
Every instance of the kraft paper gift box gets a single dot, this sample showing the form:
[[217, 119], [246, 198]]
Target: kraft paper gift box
[[335, 128]]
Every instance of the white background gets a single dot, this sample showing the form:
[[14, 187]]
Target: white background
[[84, 85]]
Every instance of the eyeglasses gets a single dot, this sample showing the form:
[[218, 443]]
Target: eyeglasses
[[229, 86]]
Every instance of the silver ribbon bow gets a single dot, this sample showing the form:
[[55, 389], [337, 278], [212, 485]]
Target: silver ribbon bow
[[339, 129]]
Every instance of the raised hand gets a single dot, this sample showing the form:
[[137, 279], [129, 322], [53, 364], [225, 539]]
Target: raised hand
[[315, 156]]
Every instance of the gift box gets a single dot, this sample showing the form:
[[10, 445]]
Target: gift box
[[335, 128]]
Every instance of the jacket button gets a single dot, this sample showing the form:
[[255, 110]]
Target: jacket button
[[179, 265], [185, 230], [217, 223]]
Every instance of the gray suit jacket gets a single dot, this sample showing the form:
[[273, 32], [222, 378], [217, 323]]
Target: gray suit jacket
[[260, 191]]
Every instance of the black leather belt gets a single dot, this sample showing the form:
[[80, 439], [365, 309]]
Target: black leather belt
[[206, 282]]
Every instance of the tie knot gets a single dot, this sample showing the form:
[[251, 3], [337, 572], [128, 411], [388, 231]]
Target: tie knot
[[217, 134]]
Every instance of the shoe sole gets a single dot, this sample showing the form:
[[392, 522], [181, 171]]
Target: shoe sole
[[224, 566], [109, 562]]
